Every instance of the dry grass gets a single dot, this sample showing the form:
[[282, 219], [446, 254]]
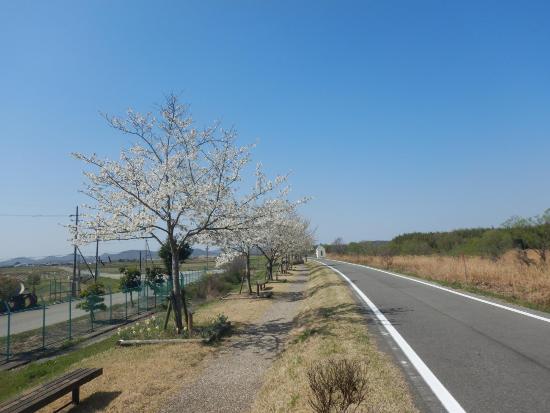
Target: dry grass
[[137, 379], [506, 277], [330, 325], [142, 379]]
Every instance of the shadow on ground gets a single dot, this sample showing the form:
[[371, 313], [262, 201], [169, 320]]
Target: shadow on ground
[[96, 402]]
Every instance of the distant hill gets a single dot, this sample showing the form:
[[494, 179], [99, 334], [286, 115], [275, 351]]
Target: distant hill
[[129, 255]]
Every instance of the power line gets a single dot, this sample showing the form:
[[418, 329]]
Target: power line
[[35, 215]]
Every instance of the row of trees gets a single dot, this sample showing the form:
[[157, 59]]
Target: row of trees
[[520, 234], [182, 185]]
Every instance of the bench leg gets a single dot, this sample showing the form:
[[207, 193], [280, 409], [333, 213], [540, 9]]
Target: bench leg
[[76, 395]]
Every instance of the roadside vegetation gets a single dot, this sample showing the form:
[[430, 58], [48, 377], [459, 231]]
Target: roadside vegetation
[[139, 378], [330, 326], [510, 262]]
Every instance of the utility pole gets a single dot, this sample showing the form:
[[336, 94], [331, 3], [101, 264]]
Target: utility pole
[[96, 258], [74, 286]]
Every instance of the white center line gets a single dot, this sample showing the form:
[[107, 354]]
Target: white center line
[[446, 398]]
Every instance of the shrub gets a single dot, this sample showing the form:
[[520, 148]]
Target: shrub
[[336, 385], [217, 327], [93, 299], [9, 286]]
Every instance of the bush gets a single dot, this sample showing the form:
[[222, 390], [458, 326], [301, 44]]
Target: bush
[[130, 279], [216, 329], [93, 299], [217, 284], [9, 286], [336, 385]]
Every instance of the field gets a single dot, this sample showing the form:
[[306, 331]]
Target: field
[[506, 277]]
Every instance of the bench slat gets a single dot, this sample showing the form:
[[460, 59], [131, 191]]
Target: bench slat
[[44, 386], [49, 392], [55, 393], [37, 391]]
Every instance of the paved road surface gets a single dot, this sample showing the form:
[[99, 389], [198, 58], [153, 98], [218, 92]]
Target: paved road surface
[[488, 358]]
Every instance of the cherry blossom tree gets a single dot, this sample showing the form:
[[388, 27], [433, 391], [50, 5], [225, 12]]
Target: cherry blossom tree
[[175, 182], [281, 233]]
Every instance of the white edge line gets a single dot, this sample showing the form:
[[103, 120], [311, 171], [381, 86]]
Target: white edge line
[[448, 401], [504, 307]]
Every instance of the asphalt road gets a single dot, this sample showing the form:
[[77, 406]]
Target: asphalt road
[[488, 358]]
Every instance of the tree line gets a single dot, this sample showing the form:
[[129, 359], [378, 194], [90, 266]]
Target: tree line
[[517, 233], [183, 185]]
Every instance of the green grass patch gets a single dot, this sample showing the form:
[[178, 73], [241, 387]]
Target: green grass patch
[[15, 381]]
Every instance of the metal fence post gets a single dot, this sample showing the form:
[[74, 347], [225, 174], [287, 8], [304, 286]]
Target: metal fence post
[[138, 294], [110, 306], [8, 342], [155, 295], [146, 298], [126, 304], [70, 317], [43, 325]]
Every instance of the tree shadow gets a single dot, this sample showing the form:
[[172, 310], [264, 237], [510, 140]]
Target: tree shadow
[[262, 338], [289, 296]]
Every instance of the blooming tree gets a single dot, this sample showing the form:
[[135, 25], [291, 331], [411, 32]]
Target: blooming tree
[[282, 233], [175, 182]]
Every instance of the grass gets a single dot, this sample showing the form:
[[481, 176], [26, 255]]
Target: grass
[[15, 381], [505, 278], [330, 324], [135, 379]]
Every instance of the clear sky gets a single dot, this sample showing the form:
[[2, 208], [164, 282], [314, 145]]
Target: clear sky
[[394, 115]]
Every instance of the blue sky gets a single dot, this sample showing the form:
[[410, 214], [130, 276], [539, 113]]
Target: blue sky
[[394, 115]]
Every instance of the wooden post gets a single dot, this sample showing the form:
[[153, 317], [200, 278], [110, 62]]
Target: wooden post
[[168, 311], [258, 289], [76, 395], [190, 327]]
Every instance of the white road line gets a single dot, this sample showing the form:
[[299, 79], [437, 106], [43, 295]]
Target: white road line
[[446, 398], [504, 307]]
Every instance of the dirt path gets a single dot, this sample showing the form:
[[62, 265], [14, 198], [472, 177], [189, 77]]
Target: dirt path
[[230, 381]]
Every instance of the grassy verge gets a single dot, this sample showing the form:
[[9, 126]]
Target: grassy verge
[[15, 381], [504, 279], [330, 324], [140, 378]]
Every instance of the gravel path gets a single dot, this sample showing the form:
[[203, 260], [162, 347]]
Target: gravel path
[[231, 380]]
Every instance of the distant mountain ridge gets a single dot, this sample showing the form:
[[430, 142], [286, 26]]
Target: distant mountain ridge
[[128, 255]]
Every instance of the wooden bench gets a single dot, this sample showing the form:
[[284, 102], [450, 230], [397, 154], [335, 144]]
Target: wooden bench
[[47, 393], [260, 287]]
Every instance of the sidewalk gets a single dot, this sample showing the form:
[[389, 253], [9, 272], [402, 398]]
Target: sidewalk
[[230, 381]]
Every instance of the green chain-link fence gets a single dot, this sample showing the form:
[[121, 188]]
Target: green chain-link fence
[[52, 326]]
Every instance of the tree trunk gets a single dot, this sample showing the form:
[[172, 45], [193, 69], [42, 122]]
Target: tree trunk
[[177, 299], [270, 270], [248, 271]]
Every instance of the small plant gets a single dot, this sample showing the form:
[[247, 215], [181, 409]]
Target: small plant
[[130, 281], [93, 300], [150, 328], [337, 385], [217, 327]]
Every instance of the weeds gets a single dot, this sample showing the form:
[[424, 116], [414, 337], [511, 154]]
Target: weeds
[[337, 385]]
